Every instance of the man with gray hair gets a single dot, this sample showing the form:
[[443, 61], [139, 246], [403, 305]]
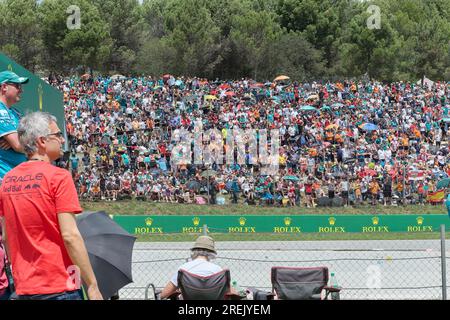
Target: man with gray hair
[[38, 203]]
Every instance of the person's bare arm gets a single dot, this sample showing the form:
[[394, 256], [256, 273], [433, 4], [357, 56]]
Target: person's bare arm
[[168, 290], [11, 141], [4, 238], [4, 144], [78, 254]]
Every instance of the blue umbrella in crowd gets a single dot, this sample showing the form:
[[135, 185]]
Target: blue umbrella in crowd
[[439, 174], [444, 183], [291, 178], [276, 99], [267, 196], [307, 108], [369, 126]]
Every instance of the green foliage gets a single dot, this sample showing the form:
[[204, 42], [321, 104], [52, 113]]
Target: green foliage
[[124, 22], [253, 34], [298, 58], [194, 36], [306, 39], [67, 49], [19, 31]]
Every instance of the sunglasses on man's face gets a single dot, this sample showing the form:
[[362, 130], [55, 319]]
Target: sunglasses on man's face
[[58, 134]]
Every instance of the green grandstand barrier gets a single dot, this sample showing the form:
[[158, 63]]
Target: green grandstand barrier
[[37, 94], [141, 225]]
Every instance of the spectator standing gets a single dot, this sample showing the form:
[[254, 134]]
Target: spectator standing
[[43, 240]]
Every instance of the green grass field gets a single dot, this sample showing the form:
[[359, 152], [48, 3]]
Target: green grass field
[[133, 207]]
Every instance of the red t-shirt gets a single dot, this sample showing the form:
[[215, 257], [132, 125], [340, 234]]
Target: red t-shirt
[[31, 196], [308, 188]]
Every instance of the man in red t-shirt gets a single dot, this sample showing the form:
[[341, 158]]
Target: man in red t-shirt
[[37, 204]]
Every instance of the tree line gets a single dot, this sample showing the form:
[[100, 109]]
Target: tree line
[[230, 39]]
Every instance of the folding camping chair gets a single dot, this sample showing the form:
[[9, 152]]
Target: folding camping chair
[[213, 287], [301, 283], [195, 287]]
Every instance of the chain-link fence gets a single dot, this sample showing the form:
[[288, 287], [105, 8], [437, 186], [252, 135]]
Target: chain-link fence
[[365, 269]]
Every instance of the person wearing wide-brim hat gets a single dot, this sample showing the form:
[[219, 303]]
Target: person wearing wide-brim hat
[[204, 243], [202, 252]]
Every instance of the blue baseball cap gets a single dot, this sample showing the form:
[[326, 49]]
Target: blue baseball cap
[[11, 77]]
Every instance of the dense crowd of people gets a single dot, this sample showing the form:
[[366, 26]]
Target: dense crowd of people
[[348, 142]]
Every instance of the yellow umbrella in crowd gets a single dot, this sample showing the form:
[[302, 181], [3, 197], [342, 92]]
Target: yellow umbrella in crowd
[[210, 97], [331, 126], [281, 78]]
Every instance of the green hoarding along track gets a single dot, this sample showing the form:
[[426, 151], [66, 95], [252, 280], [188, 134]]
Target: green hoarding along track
[[141, 225]]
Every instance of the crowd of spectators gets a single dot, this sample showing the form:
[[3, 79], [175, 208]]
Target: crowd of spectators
[[352, 142]]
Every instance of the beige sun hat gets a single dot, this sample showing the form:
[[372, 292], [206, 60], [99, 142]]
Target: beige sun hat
[[204, 242]]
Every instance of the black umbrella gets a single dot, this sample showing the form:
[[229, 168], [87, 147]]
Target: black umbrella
[[110, 250], [351, 160]]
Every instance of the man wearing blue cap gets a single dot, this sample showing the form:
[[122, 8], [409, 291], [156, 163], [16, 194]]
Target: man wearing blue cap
[[11, 152]]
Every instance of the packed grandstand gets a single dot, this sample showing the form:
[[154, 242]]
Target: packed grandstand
[[341, 143]]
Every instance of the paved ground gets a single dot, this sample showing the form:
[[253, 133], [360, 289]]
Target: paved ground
[[406, 269]]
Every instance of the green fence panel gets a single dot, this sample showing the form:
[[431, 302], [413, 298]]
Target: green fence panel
[[283, 224]]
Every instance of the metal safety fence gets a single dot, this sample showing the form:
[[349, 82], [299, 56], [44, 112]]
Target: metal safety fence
[[365, 269]]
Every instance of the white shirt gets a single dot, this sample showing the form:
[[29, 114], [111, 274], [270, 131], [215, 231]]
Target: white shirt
[[198, 267], [388, 154], [422, 127], [292, 131], [344, 185], [80, 149]]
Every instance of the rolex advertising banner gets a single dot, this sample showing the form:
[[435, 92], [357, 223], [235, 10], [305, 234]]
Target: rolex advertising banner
[[37, 94], [283, 224]]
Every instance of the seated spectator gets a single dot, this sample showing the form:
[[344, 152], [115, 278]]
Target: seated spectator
[[202, 253]]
